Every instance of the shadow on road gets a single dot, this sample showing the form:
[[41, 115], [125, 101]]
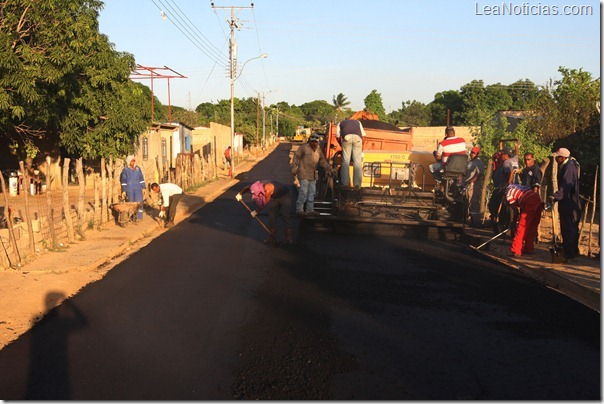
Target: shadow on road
[[49, 377]]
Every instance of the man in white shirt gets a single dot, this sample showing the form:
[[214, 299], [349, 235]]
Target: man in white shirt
[[170, 196]]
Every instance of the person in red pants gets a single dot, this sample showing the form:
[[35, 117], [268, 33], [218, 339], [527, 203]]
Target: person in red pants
[[528, 202]]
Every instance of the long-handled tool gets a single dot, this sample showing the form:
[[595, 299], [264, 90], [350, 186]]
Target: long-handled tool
[[256, 217], [556, 250], [489, 240]]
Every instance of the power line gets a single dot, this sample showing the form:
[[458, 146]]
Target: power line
[[204, 48], [199, 34]]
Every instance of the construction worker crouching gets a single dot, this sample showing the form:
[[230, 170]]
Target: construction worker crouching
[[170, 196], [278, 195]]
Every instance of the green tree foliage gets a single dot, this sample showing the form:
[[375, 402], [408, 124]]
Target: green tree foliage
[[373, 103], [568, 105], [317, 113], [524, 94], [340, 102], [443, 101], [412, 113], [61, 78]]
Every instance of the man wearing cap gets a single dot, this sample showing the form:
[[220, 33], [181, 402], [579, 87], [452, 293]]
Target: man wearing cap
[[133, 184], [473, 181], [450, 145], [304, 165], [569, 203], [531, 175], [351, 136], [509, 167]]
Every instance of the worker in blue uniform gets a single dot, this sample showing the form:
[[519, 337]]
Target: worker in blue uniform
[[133, 184], [569, 202]]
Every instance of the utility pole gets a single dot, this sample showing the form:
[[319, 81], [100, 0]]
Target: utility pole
[[233, 23]]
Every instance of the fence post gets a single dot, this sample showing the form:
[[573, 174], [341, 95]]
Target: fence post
[[81, 195], [66, 206], [30, 230], [51, 219]]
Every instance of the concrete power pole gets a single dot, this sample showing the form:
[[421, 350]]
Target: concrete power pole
[[232, 75]]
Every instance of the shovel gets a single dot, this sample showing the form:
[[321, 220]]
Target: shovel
[[256, 217], [556, 251], [489, 240]]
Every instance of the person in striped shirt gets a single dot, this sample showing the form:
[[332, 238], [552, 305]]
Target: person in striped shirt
[[451, 144], [529, 205]]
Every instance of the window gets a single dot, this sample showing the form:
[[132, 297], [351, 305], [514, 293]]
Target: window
[[145, 148], [164, 151]]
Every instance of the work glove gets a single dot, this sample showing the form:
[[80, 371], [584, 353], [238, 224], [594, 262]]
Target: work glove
[[162, 214], [549, 205], [238, 197], [253, 213]]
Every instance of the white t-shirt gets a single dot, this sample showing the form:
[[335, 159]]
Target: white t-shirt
[[167, 190]]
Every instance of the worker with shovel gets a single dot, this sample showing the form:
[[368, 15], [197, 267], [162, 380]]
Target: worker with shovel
[[528, 202], [278, 195]]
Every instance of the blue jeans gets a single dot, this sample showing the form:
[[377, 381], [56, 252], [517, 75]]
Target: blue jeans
[[352, 147], [306, 194], [438, 170]]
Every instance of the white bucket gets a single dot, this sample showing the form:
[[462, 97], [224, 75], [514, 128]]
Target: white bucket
[[13, 186]]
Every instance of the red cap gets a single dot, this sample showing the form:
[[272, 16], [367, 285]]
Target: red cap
[[475, 149]]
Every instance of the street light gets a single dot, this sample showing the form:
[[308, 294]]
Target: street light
[[233, 78], [264, 117]]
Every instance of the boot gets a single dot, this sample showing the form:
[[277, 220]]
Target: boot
[[272, 237], [288, 236]]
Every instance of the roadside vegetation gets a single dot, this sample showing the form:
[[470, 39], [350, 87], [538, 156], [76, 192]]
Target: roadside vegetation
[[64, 89]]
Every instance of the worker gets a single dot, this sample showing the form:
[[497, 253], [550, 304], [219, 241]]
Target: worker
[[133, 183], [228, 159], [509, 167], [569, 202], [527, 208], [451, 144], [276, 194], [304, 166], [170, 195], [473, 182], [351, 136], [531, 175]]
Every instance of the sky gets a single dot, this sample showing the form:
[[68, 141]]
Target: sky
[[403, 49]]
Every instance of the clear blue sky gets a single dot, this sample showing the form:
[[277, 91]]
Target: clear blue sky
[[404, 49]]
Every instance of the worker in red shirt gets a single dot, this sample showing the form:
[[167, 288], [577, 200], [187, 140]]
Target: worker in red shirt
[[451, 144], [528, 202]]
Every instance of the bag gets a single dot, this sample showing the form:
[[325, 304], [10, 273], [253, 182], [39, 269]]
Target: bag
[[258, 196]]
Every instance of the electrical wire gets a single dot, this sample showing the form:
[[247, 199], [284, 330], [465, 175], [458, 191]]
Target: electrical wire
[[198, 43]]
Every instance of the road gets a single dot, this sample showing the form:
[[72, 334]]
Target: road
[[207, 311]]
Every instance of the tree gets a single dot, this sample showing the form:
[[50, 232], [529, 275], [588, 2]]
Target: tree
[[523, 93], [61, 78], [444, 101], [373, 103], [412, 113], [317, 112], [568, 105], [340, 101]]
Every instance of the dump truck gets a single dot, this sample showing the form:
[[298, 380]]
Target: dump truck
[[397, 187]]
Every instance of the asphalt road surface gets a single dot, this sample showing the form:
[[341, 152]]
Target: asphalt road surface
[[207, 311]]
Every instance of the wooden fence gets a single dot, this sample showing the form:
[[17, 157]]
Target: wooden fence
[[62, 214]]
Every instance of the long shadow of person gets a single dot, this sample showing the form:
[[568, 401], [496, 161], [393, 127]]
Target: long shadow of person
[[49, 359]]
